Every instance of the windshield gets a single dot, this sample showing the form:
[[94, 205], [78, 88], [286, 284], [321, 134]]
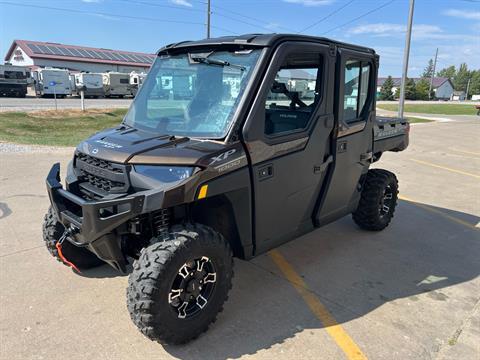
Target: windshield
[[192, 95]]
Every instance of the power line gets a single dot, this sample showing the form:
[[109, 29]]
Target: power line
[[225, 10], [212, 12], [131, 17], [247, 17], [241, 21], [325, 17], [162, 5], [359, 17]]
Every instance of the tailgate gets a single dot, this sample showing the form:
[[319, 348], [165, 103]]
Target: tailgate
[[390, 134]]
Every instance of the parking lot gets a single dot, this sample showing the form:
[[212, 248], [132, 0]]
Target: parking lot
[[411, 291]]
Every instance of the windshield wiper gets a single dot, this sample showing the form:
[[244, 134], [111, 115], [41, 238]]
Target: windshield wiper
[[206, 60]]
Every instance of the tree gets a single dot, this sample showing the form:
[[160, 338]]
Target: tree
[[410, 92], [461, 78], [422, 88], [475, 83], [386, 91], [449, 72], [428, 72]]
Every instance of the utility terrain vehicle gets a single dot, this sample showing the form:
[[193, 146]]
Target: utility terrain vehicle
[[269, 137]]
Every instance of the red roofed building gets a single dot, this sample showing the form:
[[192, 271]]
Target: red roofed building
[[36, 54]]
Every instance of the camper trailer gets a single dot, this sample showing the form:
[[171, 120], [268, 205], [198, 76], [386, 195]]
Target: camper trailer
[[136, 81], [116, 84], [13, 80], [51, 81], [92, 83]]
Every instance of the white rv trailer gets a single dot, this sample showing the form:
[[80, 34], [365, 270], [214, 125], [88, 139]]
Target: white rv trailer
[[92, 83], [14, 80], [116, 84], [136, 81], [50, 81]]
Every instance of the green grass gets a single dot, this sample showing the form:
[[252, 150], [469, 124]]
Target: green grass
[[66, 127], [62, 128], [443, 109]]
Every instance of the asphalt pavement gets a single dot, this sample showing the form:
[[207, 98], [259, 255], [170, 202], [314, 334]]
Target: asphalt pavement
[[411, 291]]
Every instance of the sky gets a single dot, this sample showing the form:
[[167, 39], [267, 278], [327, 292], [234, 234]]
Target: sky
[[146, 25]]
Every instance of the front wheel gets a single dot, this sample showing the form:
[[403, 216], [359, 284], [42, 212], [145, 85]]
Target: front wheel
[[378, 200], [178, 286]]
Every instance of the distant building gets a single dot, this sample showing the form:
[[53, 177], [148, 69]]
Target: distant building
[[442, 87], [458, 96], [36, 54]]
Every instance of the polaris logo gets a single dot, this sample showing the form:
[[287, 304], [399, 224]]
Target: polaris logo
[[108, 145], [287, 116]]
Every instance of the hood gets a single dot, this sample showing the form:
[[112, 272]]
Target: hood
[[134, 146]]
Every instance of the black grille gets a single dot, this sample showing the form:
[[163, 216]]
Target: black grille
[[103, 164], [102, 183], [100, 174]]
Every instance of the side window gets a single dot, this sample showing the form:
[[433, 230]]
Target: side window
[[357, 75], [293, 95]]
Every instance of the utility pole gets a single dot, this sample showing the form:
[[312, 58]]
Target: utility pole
[[433, 75], [406, 54], [468, 88], [208, 19]]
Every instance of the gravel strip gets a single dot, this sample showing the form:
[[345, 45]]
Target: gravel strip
[[6, 147]]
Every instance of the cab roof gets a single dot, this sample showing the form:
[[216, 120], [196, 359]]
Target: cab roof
[[258, 40]]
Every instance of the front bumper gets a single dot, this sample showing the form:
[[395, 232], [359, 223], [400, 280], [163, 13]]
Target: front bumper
[[92, 222]]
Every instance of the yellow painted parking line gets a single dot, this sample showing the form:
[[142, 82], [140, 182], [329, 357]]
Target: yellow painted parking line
[[466, 152], [335, 330], [436, 211], [446, 168]]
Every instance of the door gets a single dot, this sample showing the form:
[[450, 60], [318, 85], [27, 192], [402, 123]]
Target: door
[[287, 134], [355, 111]]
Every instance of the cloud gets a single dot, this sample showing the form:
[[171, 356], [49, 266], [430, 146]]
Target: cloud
[[272, 25], [310, 2], [464, 14], [181, 3], [388, 29], [419, 32], [106, 17], [91, 1]]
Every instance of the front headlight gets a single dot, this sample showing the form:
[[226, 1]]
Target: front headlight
[[166, 174]]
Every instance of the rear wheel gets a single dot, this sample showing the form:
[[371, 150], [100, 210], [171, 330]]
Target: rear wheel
[[378, 200], [178, 286], [53, 231]]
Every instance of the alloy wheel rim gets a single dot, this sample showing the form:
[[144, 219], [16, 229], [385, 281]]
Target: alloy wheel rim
[[386, 201], [192, 287]]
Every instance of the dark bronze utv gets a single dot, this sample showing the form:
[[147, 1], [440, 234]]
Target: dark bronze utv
[[232, 147]]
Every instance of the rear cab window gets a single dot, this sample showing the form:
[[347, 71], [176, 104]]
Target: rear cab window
[[356, 89]]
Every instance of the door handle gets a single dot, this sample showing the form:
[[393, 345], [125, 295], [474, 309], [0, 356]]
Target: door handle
[[321, 168], [366, 156], [265, 172]]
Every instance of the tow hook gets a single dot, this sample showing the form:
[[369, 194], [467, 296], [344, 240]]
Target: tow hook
[[58, 245]]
